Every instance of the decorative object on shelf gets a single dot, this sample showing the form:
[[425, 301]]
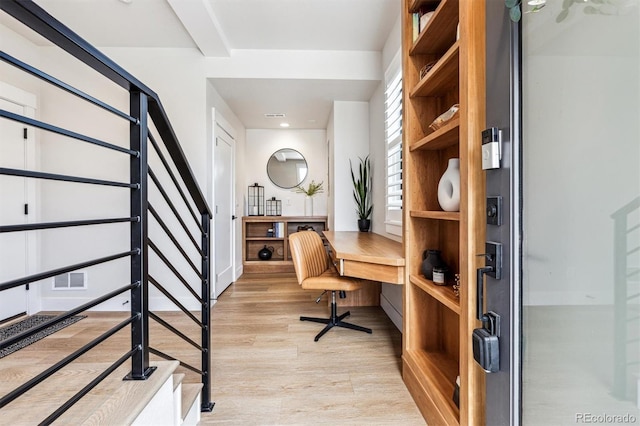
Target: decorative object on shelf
[[449, 187], [424, 20], [270, 232], [265, 253], [274, 207], [440, 275], [305, 228], [456, 392], [278, 229], [255, 200], [312, 189], [424, 70], [431, 259], [456, 286], [362, 193], [445, 117]]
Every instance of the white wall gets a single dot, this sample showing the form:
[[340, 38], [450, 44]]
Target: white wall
[[350, 141], [178, 77], [262, 143]]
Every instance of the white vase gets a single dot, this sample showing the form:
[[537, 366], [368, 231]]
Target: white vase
[[449, 187], [308, 206]]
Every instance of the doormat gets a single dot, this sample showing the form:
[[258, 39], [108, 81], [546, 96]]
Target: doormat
[[34, 320]]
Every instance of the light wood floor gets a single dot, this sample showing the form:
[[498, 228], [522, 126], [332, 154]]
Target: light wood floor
[[266, 368]]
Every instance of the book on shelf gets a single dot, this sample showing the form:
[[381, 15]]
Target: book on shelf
[[278, 229], [416, 25]]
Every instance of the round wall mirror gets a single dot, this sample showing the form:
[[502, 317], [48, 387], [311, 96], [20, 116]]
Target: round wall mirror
[[287, 168]]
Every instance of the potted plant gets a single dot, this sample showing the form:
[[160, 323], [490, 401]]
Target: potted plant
[[362, 193], [312, 189]]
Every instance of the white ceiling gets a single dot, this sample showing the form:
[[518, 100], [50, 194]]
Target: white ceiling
[[218, 27]]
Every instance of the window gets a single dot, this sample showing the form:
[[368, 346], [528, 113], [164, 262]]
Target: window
[[393, 140]]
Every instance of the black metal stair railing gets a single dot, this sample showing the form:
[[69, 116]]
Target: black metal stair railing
[[625, 297], [194, 225]]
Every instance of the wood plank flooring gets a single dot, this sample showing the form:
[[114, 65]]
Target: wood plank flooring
[[266, 368]]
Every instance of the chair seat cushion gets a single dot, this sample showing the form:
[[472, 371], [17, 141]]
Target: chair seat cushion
[[331, 280]]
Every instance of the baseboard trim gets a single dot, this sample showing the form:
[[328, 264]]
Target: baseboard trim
[[391, 311]]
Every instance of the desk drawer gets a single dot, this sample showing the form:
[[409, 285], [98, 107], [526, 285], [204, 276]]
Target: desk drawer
[[372, 271]]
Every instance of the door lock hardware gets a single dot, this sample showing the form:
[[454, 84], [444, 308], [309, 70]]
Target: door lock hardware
[[491, 148], [493, 256], [494, 210], [486, 343]]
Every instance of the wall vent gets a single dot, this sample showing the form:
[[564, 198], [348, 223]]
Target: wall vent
[[70, 281], [275, 115]]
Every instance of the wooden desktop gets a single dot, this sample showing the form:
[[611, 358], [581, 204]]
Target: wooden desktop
[[369, 256]]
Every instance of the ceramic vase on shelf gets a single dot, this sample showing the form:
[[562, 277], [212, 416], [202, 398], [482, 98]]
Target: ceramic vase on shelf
[[449, 187], [308, 206], [431, 259]]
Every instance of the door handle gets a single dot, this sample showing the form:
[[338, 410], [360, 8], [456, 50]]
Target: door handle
[[480, 291], [233, 217]]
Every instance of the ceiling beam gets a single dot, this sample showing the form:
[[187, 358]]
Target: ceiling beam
[[199, 20]]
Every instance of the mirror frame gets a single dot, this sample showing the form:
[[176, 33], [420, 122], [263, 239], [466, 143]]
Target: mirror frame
[[272, 179]]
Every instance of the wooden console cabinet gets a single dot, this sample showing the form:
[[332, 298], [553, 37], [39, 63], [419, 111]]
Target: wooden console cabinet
[[254, 238]]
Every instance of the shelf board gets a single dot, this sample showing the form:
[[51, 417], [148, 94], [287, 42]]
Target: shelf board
[[442, 77], [440, 31], [264, 239], [267, 262], [416, 5], [438, 372], [442, 293], [446, 136], [435, 214]]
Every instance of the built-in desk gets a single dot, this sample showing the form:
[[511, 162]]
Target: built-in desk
[[367, 255]]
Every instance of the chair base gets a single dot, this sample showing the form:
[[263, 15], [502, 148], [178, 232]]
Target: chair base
[[335, 320]]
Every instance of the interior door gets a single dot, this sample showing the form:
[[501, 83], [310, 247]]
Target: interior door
[[13, 196], [224, 208], [563, 87]]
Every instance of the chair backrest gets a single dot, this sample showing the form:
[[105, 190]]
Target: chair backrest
[[308, 253]]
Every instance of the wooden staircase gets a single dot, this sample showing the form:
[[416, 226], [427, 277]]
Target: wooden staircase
[[163, 399]]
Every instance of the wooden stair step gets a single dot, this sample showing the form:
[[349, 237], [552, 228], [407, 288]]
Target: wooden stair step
[[177, 379], [190, 392], [124, 400]]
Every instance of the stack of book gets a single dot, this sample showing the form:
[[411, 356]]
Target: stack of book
[[420, 21], [278, 229]]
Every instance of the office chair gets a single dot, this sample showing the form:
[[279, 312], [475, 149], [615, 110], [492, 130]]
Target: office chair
[[315, 272]]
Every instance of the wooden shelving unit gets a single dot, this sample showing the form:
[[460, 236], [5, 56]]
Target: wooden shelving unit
[[438, 324], [254, 238]]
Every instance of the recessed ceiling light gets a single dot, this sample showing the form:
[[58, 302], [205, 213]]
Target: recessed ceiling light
[[284, 124], [127, 1]]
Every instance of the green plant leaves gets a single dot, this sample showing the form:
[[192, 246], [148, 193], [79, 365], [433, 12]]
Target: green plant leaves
[[362, 188]]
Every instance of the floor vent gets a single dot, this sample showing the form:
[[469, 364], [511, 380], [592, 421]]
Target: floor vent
[[70, 281]]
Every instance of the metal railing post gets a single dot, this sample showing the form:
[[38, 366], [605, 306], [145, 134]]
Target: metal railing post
[[206, 405], [139, 132]]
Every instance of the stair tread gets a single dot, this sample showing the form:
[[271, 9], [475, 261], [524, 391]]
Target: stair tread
[[113, 401], [177, 379], [128, 399], [190, 392]]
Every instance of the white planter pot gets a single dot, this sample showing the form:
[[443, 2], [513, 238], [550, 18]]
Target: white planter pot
[[308, 206]]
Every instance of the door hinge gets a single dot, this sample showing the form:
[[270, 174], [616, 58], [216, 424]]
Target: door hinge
[[24, 133], [26, 209]]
